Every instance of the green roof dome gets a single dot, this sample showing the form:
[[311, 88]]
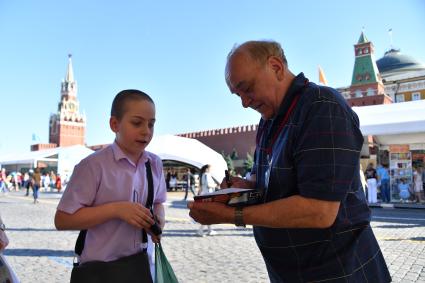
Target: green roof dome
[[395, 61]]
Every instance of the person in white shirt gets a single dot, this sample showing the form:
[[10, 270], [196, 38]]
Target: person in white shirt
[[208, 185], [417, 184]]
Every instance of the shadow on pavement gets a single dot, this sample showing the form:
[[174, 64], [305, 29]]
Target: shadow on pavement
[[193, 234], [395, 226], [220, 232], [37, 252], [180, 204], [31, 229], [420, 239]]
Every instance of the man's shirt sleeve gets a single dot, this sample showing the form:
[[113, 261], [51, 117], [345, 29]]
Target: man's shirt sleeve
[[327, 151]]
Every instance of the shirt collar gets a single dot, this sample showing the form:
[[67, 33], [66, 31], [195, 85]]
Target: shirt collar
[[119, 154], [296, 86]]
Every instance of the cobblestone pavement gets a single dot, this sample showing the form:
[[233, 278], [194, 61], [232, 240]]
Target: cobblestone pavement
[[39, 253]]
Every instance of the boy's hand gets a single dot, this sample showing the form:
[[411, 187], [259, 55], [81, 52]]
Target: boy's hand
[[135, 214], [161, 222]]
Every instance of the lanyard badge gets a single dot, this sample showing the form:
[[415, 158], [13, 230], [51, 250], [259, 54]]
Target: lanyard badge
[[268, 171]]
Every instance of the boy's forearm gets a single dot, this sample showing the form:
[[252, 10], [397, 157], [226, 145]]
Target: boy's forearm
[[159, 211], [86, 217]]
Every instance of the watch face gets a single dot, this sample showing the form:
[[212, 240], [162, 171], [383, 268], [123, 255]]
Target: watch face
[[2, 227]]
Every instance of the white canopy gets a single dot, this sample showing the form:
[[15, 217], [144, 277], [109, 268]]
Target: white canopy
[[167, 147], [396, 123], [66, 158], [189, 151]]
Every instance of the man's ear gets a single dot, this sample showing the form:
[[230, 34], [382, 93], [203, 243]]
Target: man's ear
[[277, 66], [113, 124]]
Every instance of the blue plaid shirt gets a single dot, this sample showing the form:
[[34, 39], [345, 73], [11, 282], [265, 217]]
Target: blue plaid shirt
[[316, 155]]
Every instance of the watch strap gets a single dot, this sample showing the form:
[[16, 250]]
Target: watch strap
[[239, 217]]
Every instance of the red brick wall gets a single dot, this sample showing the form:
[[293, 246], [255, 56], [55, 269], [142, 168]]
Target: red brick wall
[[71, 135], [241, 138], [41, 146]]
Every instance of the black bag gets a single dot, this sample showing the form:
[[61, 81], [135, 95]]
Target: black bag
[[133, 268], [129, 269]]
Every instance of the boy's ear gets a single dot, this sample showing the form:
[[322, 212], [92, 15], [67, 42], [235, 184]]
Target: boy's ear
[[113, 124]]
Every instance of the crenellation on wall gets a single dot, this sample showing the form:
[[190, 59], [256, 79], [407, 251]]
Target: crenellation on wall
[[226, 140]]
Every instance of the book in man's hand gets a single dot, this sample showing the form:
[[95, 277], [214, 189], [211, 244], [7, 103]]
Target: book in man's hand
[[232, 197]]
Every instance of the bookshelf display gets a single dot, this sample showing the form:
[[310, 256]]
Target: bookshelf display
[[400, 168]]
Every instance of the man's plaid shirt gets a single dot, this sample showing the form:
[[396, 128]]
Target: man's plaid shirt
[[316, 154]]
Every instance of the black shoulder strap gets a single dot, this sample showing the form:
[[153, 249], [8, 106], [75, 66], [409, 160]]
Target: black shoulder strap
[[79, 244], [149, 200]]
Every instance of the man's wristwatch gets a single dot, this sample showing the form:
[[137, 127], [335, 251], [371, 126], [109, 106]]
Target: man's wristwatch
[[2, 227], [239, 217]]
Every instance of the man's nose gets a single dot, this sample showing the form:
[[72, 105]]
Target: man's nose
[[246, 101]]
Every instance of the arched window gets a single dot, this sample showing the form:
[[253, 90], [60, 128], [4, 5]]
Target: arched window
[[370, 92], [367, 76]]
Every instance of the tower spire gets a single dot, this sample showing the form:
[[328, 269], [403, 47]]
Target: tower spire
[[67, 125], [390, 33], [322, 78], [69, 72], [366, 85], [69, 85]]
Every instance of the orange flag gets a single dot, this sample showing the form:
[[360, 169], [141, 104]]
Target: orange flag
[[322, 78]]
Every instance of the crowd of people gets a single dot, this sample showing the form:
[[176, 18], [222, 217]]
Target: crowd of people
[[377, 186], [32, 180]]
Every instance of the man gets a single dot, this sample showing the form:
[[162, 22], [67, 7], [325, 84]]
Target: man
[[190, 183], [384, 181], [372, 183], [313, 224]]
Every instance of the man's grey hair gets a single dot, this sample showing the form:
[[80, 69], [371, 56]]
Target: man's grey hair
[[259, 50]]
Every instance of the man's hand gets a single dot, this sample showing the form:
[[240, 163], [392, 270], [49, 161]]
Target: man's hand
[[208, 213], [237, 182], [135, 214], [4, 241]]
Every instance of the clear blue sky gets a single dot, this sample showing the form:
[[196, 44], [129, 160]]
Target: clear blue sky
[[175, 51]]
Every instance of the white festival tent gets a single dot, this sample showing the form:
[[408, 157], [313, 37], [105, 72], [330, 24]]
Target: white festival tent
[[189, 151], [65, 158], [167, 147], [396, 123]]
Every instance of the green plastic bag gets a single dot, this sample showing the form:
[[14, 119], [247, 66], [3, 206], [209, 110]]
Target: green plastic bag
[[163, 271]]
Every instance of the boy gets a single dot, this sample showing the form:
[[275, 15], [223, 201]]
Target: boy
[[108, 189]]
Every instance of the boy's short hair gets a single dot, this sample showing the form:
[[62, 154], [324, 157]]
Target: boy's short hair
[[117, 109]]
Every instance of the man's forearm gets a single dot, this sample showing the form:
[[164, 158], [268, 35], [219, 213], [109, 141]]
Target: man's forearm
[[292, 212]]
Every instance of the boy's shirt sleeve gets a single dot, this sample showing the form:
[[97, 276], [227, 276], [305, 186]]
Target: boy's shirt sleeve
[[81, 189], [161, 189]]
